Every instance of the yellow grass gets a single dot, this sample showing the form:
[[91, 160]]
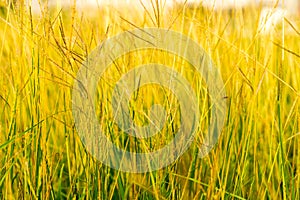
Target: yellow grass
[[41, 156]]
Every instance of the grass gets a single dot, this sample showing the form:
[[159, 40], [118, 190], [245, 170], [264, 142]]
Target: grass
[[257, 155]]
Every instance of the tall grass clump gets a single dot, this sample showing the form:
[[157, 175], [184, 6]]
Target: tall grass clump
[[41, 156]]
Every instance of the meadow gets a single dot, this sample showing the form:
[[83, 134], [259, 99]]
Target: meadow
[[257, 155]]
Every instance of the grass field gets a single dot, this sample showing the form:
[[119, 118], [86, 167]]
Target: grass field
[[42, 157]]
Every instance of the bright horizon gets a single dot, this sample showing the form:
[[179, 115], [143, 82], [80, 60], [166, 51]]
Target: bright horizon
[[291, 5]]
